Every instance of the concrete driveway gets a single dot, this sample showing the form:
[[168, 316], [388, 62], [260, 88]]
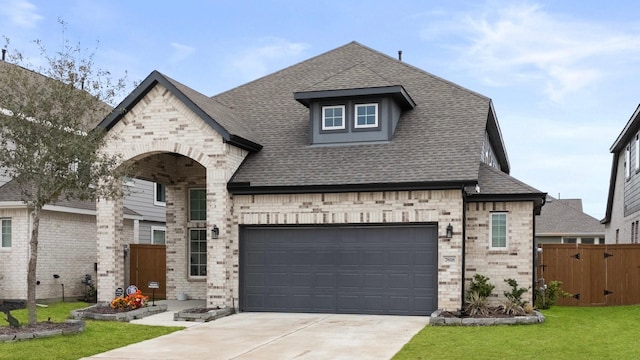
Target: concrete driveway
[[281, 336]]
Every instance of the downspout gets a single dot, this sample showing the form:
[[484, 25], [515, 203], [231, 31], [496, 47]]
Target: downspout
[[464, 242], [534, 255]]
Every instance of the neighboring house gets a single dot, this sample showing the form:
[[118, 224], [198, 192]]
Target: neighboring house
[[622, 217], [67, 239], [562, 221], [348, 183], [147, 199]]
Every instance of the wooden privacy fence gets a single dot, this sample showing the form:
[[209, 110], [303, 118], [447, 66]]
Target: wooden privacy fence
[[596, 275], [148, 263]]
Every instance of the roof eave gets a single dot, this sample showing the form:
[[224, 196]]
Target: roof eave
[[245, 188], [397, 92], [626, 134], [538, 198]]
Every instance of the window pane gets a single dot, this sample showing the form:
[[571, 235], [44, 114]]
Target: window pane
[[160, 193], [332, 117], [198, 252], [366, 115], [197, 204], [498, 230], [6, 232], [158, 237]]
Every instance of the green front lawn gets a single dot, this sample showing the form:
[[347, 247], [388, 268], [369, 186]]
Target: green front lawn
[[98, 337], [567, 333]]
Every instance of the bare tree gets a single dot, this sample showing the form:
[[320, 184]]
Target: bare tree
[[49, 144]]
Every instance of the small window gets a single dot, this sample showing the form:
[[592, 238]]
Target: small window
[[158, 235], [197, 204], [627, 165], [6, 233], [569, 240], [498, 230], [198, 252], [333, 117], [366, 115], [159, 194], [637, 152]]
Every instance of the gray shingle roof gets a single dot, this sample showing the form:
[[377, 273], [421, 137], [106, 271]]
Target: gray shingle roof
[[495, 182], [562, 217], [11, 192], [440, 140]]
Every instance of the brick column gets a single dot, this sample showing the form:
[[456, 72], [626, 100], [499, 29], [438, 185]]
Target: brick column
[[111, 257], [218, 214]]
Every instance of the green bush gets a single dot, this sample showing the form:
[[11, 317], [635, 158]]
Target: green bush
[[480, 284], [476, 304], [515, 295], [547, 297]]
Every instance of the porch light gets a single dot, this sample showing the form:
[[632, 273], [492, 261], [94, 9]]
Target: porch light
[[215, 232], [125, 249], [449, 231]]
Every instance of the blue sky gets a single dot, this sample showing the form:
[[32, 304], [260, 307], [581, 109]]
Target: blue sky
[[562, 74]]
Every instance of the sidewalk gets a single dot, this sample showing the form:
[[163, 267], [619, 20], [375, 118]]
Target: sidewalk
[[166, 318]]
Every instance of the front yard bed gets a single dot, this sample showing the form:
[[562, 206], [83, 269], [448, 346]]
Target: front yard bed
[[567, 333], [99, 336], [105, 312]]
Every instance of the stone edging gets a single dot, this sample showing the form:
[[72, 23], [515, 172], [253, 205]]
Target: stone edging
[[78, 327], [121, 316], [203, 317], [437, 320]]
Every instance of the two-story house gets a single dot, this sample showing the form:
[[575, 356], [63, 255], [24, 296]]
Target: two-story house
[[622, 216], [351, 182]]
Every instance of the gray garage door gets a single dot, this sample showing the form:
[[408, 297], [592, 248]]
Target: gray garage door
[[347, 269]]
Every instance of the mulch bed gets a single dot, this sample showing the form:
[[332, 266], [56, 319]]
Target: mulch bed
[[200, 310], [37, 327], [494, 312]]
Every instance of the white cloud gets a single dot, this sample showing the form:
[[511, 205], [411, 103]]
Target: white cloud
[[508, 44], [180, 52], [21, 13], [257, 60]]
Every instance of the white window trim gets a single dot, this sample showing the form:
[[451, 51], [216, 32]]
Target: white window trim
[[344, 118], [189, 255], [155, 195], [158, 228], [189, 203], [1, 242], [506, 224], [355, 116]]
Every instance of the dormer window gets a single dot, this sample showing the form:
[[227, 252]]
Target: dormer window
[[333, 117], [366, 116], [354, 116]]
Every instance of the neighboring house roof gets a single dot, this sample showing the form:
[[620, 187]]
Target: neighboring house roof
[[625, 136], [10, 196], [564, 217]]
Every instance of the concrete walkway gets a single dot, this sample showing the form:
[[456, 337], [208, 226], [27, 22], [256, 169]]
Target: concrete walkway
[[166, 318], [277, 336]]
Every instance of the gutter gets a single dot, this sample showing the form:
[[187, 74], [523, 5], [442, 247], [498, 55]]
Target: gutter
[[464, 245]]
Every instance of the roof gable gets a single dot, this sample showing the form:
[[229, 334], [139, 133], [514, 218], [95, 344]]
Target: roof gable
[[221, 118]]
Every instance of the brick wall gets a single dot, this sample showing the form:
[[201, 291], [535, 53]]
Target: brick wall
[[66, 247], [439, 206], [515, 262]]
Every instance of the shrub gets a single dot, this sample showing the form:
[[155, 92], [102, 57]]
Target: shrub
[[515, 295], [476, 304], [547, 296], [480, 284]]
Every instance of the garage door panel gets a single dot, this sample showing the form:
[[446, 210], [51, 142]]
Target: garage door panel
[[389, 269]]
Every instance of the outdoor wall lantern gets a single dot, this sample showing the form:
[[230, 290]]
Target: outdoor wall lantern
[[125, 249], [215, 232], [449, 231]]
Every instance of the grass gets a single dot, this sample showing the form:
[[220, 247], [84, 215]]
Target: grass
[[98, 337], [567, 333]]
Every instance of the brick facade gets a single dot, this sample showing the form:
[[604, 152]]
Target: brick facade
[[516, 261], [66, 247], [161, 126]]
